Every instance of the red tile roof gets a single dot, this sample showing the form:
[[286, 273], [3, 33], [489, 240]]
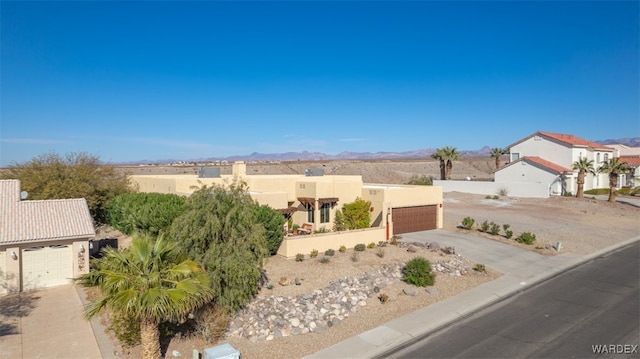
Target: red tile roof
[[630, 160], [34, 221], [574, 141], [546, 164]]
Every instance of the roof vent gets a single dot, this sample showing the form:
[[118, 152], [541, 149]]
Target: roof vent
[[314, 172]]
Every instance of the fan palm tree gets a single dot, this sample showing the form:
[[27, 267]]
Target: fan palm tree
[[450, 154], [439, 155], [584, 166], [148, 283], [614, 168], [496, 153]]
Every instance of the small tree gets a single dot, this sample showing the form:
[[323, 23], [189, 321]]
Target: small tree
[[353, 215], [614, 168], [584, 166], [450, 154], [496, 153], [147, 213], [220, 230], [149, 283], [76, 175], [440, 156]]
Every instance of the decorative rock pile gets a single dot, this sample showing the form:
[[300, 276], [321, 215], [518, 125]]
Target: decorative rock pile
[[270, 317]]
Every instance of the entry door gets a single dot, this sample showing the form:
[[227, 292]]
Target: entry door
[[44, 267]]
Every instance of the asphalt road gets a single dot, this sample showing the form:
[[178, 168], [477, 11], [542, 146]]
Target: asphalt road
[[594, 304]]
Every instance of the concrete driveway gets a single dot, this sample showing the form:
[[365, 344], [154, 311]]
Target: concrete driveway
[[46, 324]]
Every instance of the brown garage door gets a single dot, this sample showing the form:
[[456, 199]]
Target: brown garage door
[[414, 219]]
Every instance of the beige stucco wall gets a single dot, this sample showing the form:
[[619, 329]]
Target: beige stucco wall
[[322, 241]]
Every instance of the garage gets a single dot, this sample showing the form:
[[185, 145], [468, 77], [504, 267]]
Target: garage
[[3, 272], [414, 219], [44, 267]]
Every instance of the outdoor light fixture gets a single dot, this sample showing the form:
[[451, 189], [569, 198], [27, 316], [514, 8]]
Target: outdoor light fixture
[[14, 256], [81, 248]]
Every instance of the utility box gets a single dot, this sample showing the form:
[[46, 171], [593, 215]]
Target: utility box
[[224, 351]]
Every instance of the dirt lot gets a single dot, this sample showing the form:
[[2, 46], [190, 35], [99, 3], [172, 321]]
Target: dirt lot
[[582, 225]]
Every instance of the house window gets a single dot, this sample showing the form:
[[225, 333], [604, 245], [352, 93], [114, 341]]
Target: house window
[[325, 210], [310, 211], [598, 157], [515, 156], [606, 157]]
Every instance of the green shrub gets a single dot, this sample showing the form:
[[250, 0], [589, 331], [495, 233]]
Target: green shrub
[[371, 245], [382, 244], [299, 257], [360, 247], [488, 196], [495, 197], [468, 222], [503, 191], [418, 272], [353, 215], [494, 228], [508, 234], [480, 268], [421, 180], [380, 252], [343, 248], [126, 330], [597, 191], [526, 238], [329, 252], [506, 227], [273, 222], [484, 227], [314, 253], [147, 213], [325, 260]]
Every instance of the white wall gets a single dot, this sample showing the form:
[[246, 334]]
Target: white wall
[[514, 189]]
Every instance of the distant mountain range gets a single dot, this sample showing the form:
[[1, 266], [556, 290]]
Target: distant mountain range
[[313, 156]]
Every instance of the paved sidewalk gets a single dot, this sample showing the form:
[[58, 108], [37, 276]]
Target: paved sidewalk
[[521, 269]]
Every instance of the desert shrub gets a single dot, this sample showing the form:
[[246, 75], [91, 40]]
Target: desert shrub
[[494, 228], [325, 260], [273, 222], [314, 253], [508, 234], [147, 213], [468, 222], [329, 252], [503, 191], [484, 227], [371, 245], [526, 238], [488, 196], [299, 257], [355, 256], [382, 244], [449, 250], [353, 215], [126, 330], [417, 271], [342, 249], [480, 268], [360, 247], [211, 322], [421, 180], [383, 298], [380, 252], [568, 194], [597, 191]]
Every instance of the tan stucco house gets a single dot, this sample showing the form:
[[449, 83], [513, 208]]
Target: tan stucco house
[[314, 198], [43, 243]]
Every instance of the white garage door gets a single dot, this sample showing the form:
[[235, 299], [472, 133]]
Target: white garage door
[[3, 272], [46, 266]]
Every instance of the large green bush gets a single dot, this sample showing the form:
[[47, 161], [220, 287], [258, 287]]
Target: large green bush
[[148, 213], [353, 215], [418, 272], [526, 238], [273, 222]]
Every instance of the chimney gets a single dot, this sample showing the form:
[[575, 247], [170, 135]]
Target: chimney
[[239, 169]]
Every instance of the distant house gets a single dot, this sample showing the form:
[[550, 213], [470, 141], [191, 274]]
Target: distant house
[[546, 157], [42, 243]]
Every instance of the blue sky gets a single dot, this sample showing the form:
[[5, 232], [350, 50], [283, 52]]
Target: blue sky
[[182, 80]]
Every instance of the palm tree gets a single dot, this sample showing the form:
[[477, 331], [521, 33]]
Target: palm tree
[[496, 153], [439, 155], [148, 283], [450, 154], [614, 168], [584, 166]]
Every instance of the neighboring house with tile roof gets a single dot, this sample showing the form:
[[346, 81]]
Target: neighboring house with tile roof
[[43, 243], [546, 157]]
